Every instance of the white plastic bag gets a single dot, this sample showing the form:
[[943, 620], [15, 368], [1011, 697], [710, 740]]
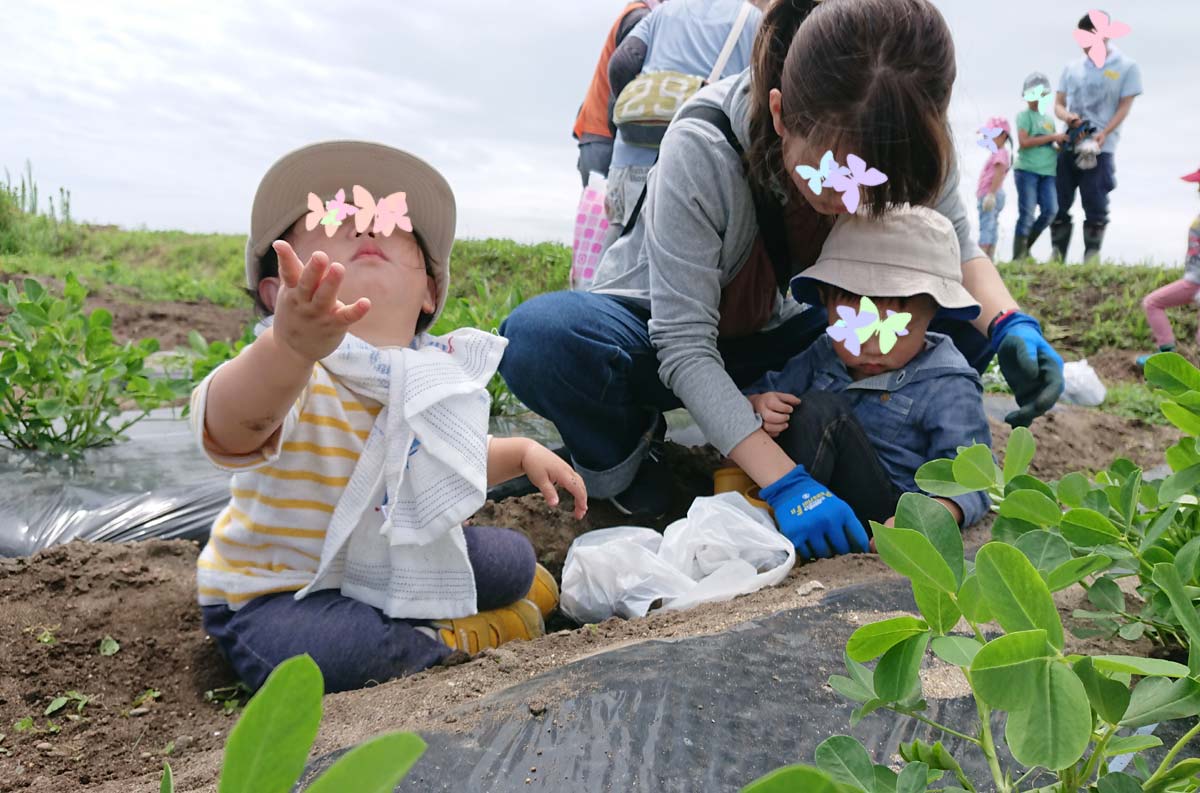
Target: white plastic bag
[[1082, 384], [724, 547]]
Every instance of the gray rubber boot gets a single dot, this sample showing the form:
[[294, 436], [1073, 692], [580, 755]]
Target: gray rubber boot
[[1093, 238], [1060, 239]]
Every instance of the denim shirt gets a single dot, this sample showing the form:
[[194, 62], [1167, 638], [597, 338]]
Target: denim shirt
[[922, 412]]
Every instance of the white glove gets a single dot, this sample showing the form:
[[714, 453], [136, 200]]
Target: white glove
[[989, 202]]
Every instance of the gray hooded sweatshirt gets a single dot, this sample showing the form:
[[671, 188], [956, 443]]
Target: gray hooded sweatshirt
[[696, 229]]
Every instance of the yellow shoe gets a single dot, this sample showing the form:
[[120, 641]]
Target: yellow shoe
[[544, 592], [521, 620]]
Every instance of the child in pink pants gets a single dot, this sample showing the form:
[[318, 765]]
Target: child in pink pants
[[1177, 293]]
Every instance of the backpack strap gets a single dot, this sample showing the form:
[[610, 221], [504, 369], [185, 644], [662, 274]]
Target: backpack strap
[[769, 213]]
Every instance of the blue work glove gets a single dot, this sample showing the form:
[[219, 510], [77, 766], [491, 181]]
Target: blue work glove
[[1032, 368], [817, 522]]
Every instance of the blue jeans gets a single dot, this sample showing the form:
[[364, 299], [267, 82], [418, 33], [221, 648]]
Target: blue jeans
[[1034, 190], [1094, 185], [989, 220], [353, 643], [585, 362]]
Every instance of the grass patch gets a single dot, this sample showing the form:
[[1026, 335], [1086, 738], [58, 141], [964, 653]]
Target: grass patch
[[1134, 401]]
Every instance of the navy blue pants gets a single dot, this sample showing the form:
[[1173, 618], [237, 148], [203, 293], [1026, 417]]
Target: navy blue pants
[[353, 643], [1093, 185]]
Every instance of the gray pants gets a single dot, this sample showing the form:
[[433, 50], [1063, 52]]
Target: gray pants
[[594, 155]]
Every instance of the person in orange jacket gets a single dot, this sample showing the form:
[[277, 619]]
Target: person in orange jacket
[[593, 124]]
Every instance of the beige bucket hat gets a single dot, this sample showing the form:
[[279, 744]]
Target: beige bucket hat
[[325, 168], [908, 251]]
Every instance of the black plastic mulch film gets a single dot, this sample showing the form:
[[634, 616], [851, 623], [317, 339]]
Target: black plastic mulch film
[[710, 713]]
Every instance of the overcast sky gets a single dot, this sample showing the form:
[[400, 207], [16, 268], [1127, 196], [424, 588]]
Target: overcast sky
[[165, 115]]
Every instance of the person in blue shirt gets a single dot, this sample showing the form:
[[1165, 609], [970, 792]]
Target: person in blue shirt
[[1102, 96], [860, 418]]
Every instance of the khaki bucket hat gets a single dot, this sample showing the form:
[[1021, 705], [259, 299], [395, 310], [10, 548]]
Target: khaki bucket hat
[[325, 168], [908, 251]]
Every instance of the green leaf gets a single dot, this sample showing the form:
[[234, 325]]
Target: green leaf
[[1132, 631], [268, 747], [1118, 782], [1108, 697], [897, 675], [1047, 551], [1019, 453], [885, 779], [167, 785], [1182, 483], [1015, 593], [956, 650], [793, 778], [937, 608], [34, 314], [1172, 372], [1187, 560], [1183, 454], [970, 600], [1032, 507], [109, 646], [1074, 571], [100, 318], [1177, 414], [34, 290], [921, 513], [846, 761], [1160, 699], [1027, 482], [871, 641], [1136, 665], [50, 408], [911, 555], [974, 468], [55, 705], [1009, 530], [1159, 526], [1056, 730], [197, 342], [1088, 528], [1073, 488], [851, 689], [376, 766], [1105, 595], [1131, 744], [914, 778], [937, 478], [1184, 769], [1167, 578], [1006, 673]]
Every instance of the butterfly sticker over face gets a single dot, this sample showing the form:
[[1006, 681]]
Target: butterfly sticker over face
[[816, 176], [849, 178], [1041, 95], [987, 138], [1093, 41], [853, 328], [389, 213]]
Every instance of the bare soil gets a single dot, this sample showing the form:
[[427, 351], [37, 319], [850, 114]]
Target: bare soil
[[143, 595]]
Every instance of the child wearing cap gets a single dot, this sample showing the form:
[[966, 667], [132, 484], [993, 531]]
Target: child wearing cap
[[990, 191], [860, 417], [1177, 293], [1037, 163], [357, 442]]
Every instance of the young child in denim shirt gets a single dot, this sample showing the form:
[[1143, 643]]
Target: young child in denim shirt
[[358, 441], [863, 423]]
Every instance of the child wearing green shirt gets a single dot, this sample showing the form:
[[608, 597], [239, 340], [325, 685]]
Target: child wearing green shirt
[[1037, 160]]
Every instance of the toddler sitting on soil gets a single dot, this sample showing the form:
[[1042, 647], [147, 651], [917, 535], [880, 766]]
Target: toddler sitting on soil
[[358, 442], [862, 413]]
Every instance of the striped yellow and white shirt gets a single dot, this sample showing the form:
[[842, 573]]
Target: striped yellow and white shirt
[[269, 538]]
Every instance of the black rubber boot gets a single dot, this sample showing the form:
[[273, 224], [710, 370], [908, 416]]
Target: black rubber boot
[[1034, 238], [1093, 238], [1060, 239], [1020, 248]]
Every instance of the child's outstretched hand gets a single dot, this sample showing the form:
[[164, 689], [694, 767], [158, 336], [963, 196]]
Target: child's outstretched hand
[[309, 318], [775, 407], [547, 471]]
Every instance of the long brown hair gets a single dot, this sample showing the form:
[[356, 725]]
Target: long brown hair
[[874, 75]]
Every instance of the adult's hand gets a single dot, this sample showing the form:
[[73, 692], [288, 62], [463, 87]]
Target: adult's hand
[[817, 522], [1033, 369], [1100, 137]]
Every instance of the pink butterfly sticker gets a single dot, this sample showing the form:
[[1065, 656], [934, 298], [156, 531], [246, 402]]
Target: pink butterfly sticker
[[846, 330], [1093, 42], [318, 215], [389, 214], [338, 205], [848, 178]]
